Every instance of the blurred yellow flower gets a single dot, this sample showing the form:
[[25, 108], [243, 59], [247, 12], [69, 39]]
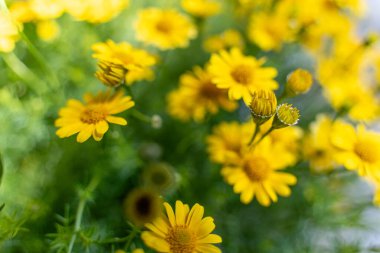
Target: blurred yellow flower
[[137, 62], [270, 31], [9, 33], [298, 82], [196, 96], [201, 8], [138, 251], [358, 150], [228, 39], [48, 30], [46, 9], [318, 149], [184, 230], [229, 142], [95, 11], [164, 28], [241, 74], [257, 175], [142, 205], [92, 118], [21, 11]]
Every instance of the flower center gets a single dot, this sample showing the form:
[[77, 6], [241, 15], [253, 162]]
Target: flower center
[[242, 74], [92, 116], [164, 26], [257, 169], [181, 240], [209, 90], [366, 150]]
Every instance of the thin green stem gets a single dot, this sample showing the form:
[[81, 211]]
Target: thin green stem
[[84, 197], [263, 136], [24, 73], [257, 130], [141, 116], [131, 236]]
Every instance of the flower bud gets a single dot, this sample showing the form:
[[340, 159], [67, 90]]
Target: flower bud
[[298, 82], [263, 105], [286, 115], [110, 74]]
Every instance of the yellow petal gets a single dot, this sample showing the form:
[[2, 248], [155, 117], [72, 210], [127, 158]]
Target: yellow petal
[[85, 133], [116, 120], [101, 127], [170, 213], [208, 248], [195, 216], [206, 226], [155, 242], [211, 238]]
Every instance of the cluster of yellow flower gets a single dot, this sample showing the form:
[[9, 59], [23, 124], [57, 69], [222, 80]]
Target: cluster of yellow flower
[[44, 13]]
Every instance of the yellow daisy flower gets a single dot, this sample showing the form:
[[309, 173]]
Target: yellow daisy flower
[[201, 8], [228, 39], [137, 62], [92, 118], [8, 33], [270, 31], [358, 150], [95, 11], [196, 96], [317, 146], [229, 142], [241, 74], [258, 176], [164, 29], [181, 231]]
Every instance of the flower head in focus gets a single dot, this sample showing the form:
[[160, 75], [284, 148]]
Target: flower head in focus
[[258, 176], [92, 118], [164, 29], [182, 230], [241, 74]]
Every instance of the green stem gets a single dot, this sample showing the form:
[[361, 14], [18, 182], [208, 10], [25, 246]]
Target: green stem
[[24, 73], [84, 197], [130, 237], [141, 116], [257, 130], [263, 136], [41, 60]]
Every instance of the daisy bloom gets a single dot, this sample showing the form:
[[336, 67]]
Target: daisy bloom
[[228, 142], [142, 205], [228, 39], [317, 148], [136, 62], [201, 8], [8, 33], [241, 74], [95, 11], [358, 150], [196, 96], [92, 118], [258, 176], [164, 29], [182, 231]]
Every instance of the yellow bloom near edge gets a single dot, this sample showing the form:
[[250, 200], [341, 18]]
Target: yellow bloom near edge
[[92, 118], [184, 230]]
